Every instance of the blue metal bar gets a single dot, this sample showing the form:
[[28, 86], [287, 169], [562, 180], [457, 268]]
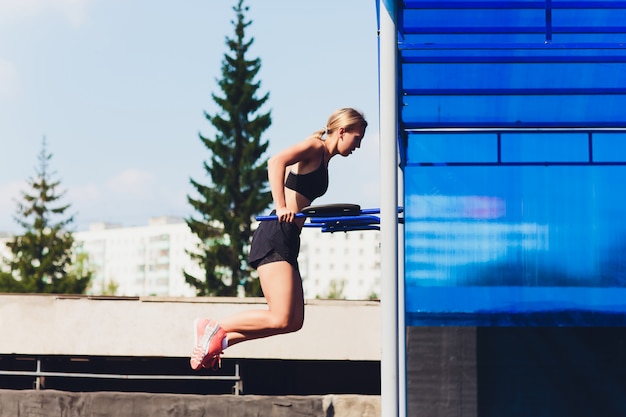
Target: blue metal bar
[[346, 219], [504, 30], [514, 92], [548, 21], [274, 217], [348, 228], [588, 29], [492, 129], [341, 227], [511, 46], [591, 5], [419, 126], [590, 160], [317, 218], [370, 211], [472, 30], [470, 5], [464, 5], [536, 59], [485, 164]]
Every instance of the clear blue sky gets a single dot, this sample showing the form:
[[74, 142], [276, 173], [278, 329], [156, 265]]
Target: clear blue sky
[[118, 88]]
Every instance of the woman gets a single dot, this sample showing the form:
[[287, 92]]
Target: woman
[[275, 244]]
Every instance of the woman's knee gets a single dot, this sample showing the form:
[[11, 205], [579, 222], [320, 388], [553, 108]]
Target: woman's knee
[[295, 324], [287, 324]]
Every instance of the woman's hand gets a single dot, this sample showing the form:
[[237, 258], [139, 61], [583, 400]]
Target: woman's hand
[[285, 215]]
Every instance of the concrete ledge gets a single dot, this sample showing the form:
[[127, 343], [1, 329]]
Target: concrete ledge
[[115, 404], [162, 327]]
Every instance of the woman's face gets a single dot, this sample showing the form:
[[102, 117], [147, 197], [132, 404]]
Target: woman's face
[[351, 140]]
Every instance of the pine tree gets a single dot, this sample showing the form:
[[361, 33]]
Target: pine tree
[[237, 169], [42, 256]]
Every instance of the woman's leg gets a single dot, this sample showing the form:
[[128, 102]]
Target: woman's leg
[[282, 287]]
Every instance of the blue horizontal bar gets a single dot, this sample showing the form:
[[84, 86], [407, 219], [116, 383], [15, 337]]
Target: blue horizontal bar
[[349, 228], [472, 30], [496, 130], [469, 30], [462, 5], [320, 219], [514, 91], [370, 211], [499, 59], [317, 218], [409, 125], [346, 219], [487, 164], [511, 46], [274, 217]]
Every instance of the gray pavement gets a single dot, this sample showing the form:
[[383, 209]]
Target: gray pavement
[[52, 403]]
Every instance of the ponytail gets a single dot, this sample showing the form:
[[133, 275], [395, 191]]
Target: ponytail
[[319, 134], [347, 118]]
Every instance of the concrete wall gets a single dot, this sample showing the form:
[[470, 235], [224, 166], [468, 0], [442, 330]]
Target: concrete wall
[[441, 361], [162, 327], [114, 404], [442, 372]]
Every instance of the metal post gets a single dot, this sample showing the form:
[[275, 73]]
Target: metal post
[[402, 394], [38, 377], [388, 112], [238, 387]]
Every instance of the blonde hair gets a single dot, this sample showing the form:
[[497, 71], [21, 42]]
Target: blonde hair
[[347, 117]]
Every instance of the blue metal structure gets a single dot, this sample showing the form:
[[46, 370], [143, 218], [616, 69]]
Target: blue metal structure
[[512, 139], [330, 222]]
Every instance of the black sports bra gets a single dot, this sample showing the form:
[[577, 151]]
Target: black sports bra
[[311, 185]]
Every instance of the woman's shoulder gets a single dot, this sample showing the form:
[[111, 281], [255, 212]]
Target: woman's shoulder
[[308, 146], [305, 150], [314, 143]]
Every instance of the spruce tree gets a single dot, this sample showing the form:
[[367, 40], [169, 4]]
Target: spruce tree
[[42, 258], [237, 169]]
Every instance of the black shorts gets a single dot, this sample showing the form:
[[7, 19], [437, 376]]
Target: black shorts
[[275, 241]]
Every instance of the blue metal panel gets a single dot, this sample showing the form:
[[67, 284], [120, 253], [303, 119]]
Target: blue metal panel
[[514, 128]]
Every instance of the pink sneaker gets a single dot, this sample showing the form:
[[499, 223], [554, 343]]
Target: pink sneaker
[[208, 344], [213, 363]]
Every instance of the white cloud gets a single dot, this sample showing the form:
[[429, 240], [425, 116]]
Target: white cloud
[[131, 181], [75, 11], [128, 198], [9, 79], [84, 194], [10, 193]]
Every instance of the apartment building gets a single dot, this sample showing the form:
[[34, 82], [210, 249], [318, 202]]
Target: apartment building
[[340, 264], [149, 260], [139, 260]]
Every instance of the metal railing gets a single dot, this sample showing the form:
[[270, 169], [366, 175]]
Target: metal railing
[[38, 374]]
